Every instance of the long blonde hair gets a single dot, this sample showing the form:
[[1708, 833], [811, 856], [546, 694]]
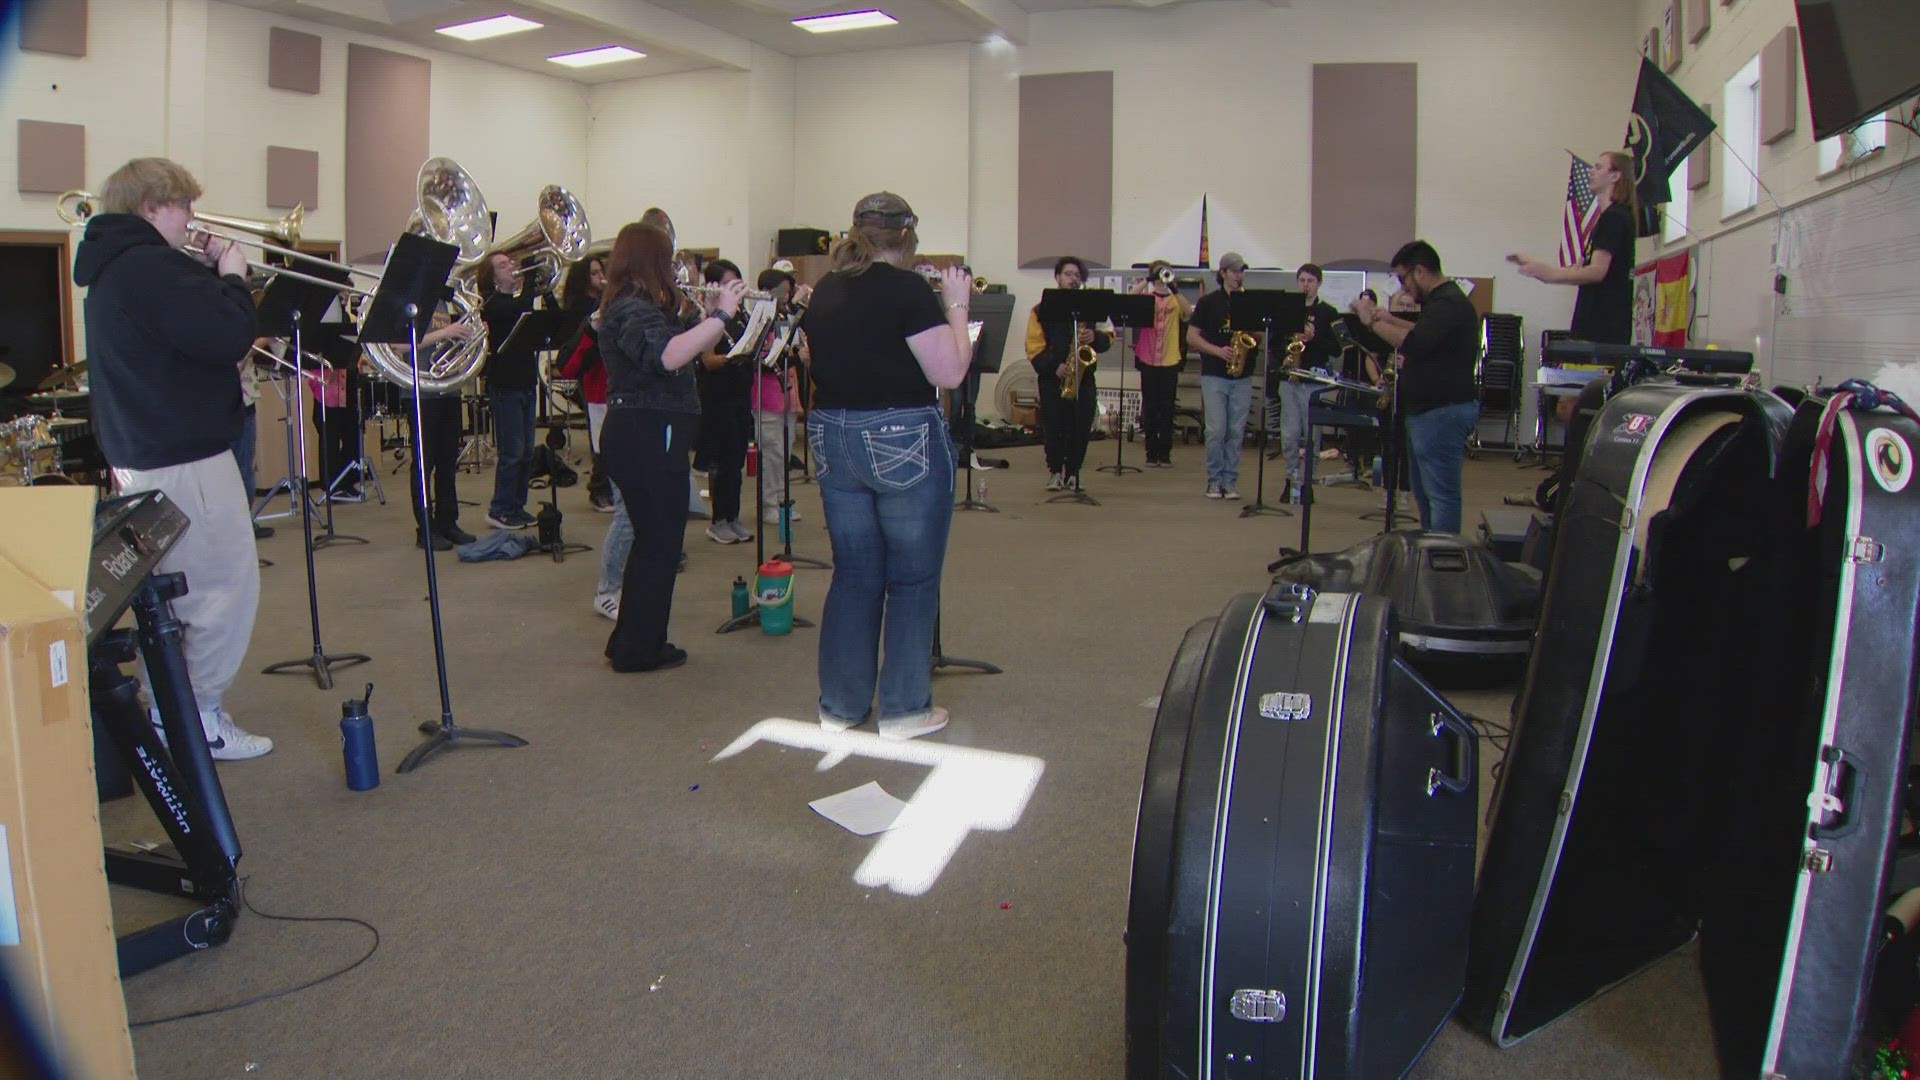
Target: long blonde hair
[[865, 245], [1625, 192]]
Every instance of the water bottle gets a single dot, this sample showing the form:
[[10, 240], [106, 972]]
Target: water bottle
[[786, 524], [741, 598], [356, 743], [1379, 472], [983, 489]]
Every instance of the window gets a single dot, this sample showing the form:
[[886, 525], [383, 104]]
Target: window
[[1674, 227], [1849, 147], [1740, 154]]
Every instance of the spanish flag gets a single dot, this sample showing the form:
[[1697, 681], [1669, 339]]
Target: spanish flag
[[1673, 301]]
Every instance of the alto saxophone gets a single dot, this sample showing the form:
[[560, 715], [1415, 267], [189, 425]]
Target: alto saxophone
[[1243, 345], [1080, 361]]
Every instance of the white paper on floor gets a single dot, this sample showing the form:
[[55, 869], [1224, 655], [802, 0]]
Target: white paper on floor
[[863, 811]]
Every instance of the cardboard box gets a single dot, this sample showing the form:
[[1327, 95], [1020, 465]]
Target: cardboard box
[[56, 923]]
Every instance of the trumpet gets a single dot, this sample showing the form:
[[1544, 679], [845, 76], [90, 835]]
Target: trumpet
[[933, 278]]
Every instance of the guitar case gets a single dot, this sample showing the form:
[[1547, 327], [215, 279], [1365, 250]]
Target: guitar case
[[1712, 736], [1303, 865], [1466, 617]]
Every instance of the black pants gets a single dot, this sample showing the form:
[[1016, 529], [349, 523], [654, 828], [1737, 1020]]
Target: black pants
[[1064, 425], [338, 433], [599, 487], [440, 448], [646, 454], [725, 428], [1159, 386]]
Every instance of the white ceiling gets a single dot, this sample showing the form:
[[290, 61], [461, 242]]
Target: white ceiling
[[679, 35]]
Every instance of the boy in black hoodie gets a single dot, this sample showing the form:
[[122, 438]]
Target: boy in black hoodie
[[165, 333]]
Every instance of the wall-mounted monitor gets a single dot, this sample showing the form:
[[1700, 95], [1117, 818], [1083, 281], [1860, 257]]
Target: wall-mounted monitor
[[1860, 58]]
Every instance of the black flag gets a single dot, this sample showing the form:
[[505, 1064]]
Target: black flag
[[1665, 127]]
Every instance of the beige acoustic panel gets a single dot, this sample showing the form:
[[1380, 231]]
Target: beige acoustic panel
[[1699, 18], [388, 95], [1779, 85], [53, 157], [293, 61], [1670, 37], [1066, 168], [293, 177], [55, 26], [1363, 174], [1700, 162]]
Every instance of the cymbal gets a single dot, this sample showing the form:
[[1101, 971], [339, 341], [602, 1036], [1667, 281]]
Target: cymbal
[[65, 421], [6, 375], [58, 395], [63, 376]]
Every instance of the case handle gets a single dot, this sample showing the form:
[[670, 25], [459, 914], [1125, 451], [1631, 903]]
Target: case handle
[[1837, 798], [1444, 723]]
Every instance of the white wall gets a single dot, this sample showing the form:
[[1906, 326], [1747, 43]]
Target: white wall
[[678, 142]]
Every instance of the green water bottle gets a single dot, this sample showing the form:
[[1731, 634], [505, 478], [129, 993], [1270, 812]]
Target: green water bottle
[[741, 598]]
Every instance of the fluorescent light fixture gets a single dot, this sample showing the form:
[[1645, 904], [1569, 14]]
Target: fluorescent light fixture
[[608, 54], [851, 20], [483, 29]]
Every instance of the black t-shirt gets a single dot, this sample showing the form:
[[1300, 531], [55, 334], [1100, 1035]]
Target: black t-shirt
[[1324, 350], [1210, 318], [1440, 350], [858, 326], [1603, 311], [516, 369]]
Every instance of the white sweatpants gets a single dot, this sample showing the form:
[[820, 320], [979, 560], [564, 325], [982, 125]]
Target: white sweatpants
[[773, 463], [221, 564]]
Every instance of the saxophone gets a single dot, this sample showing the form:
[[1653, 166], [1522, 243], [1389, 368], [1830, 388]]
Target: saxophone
[[1079, 361], [1243, 345]]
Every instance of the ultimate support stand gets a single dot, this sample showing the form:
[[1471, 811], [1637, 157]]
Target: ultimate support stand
[[319, 662]]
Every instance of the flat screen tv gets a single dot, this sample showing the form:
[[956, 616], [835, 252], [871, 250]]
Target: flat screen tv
[[1860, 58]]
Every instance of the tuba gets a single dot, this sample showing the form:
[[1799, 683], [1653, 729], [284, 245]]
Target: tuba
[[557, 236], [449, 209]]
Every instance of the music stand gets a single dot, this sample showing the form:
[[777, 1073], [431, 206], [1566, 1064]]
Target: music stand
[[1265, 307], [994, 313], [1076, 306], [412, 285], [763, 364], [342, 353], [1128, 311], [290, 304]]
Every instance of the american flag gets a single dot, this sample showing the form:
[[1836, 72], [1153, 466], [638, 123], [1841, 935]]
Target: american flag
[[1577, 224]]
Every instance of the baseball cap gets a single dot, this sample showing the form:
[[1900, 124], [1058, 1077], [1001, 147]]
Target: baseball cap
[[1233, 260], [885, 209], [785, 266]]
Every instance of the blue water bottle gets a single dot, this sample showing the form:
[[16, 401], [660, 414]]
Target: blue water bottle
[[356, 743], [742, 600]]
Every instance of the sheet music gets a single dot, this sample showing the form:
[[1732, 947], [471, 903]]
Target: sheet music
[[973, 332], [777, 343], [759, 316]]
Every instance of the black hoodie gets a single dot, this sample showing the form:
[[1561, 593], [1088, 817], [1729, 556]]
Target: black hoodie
[[165, 336]]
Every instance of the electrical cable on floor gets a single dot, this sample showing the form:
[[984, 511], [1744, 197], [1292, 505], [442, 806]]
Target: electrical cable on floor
[[248, 904], [1496, 735]]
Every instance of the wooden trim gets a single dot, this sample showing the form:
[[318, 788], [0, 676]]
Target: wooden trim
[[62, 239]]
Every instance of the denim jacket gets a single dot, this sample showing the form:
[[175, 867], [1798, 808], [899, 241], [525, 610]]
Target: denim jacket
[[633, 337]]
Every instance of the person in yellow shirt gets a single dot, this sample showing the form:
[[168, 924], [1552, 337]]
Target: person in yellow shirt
[[1158, 353], [1064, 425]]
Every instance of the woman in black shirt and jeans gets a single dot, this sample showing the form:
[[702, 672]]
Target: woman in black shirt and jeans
[[653, 422], [882, 341]]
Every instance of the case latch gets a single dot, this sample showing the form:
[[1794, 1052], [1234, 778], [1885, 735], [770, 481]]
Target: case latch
[[1818, 860], [1258, 1006], [1292, 601], [1866, 549]]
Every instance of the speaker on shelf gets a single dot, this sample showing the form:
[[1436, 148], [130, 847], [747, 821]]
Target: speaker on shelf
[[794, 242]]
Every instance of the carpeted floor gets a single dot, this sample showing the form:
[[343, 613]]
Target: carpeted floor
[[610, 902]]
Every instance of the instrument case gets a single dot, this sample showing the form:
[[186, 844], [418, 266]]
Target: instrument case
[[1465, 616], [1721, 751], [1303, 867]]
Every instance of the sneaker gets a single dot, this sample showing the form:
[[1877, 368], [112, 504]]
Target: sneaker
[[719, 533], [608, 604], [602, 505], [835, 724], [502, 521], [228, 742], [793, 513], [263, 532], [521, 519], [439, 542], [982, 464], [1054, 483], [740, 532], [458, 535], [1230, 494], [905, 728], [1213, 491], [669, 656]]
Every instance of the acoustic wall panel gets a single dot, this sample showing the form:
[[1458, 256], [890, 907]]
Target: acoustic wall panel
[[1700, 162], [293, 60], [55, 26], [387, 111], [1699, 18], [1066, 168], [1363, 174], [1779, 85], [293, 177], [53, 157]]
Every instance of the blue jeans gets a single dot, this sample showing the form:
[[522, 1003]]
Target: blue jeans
[[1437, 443], [513, 439], [1226, 402], [614, 549], [886, 480]]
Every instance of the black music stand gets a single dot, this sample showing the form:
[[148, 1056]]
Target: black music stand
[[1393, 458], [341, 353], [1127, 311], [288, 305], [994, 312], [535, 331], [1265, 308], [774, 338], [1330, 416], [1078, 306], [412, 285]]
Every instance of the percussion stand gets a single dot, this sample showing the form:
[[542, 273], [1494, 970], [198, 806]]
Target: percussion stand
[[286, 383], [320, 662], [329, 537], [417, 270], [362, 465]]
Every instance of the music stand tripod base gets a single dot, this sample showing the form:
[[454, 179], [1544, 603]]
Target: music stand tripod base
[[445, 734], [321, 664], [751, 617]]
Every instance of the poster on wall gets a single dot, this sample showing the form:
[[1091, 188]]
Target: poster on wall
[[1645, 303], [1341, 287], [1670, 37]]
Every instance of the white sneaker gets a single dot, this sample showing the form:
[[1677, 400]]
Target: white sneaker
[[1230, 494], [906, 728], [981, 466], [719, 533], [740, 532], [228, 742], [1213, 491], [1054, 483], [834, 723], [608, 604]]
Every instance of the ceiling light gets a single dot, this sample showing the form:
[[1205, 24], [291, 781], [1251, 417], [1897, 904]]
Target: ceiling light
[[609, 54], [488, 28], [851, 20]]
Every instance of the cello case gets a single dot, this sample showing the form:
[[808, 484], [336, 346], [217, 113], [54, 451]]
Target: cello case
[[1712, 754], [1466, 617], [1303, 865]]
